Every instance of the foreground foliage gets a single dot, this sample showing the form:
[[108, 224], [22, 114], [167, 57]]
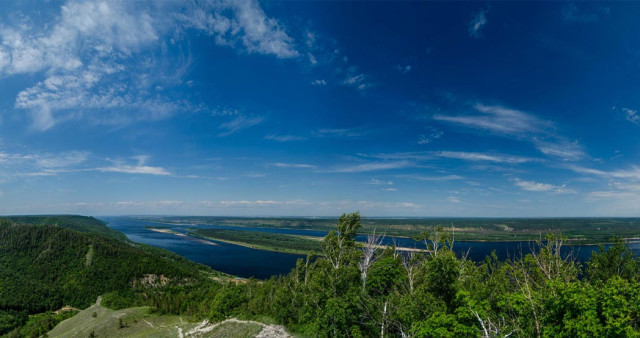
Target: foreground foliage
[[350, 290], [362, 292]]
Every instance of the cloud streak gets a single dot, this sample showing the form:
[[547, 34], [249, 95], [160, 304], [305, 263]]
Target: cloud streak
[[544, 187], [239, 123], [498, 158], [477, 23], [519, 125]]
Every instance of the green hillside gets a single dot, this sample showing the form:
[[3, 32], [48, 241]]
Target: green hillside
[[140, 322], [47, 262]]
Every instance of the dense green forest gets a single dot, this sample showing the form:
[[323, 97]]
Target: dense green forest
[[581, 230], [351, 290]]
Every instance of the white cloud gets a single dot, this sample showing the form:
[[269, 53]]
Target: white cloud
[[248, 25], [357, 80], [238, 124], [632, 115], [453, 199], [568, 151], [404, 69], [284, 138], [632, 173], [374, 166], [375, 181], [62, 160], [498, 158], [88, 56], [499, 120], [522, 126], [433, 134], [292, 165], [339, 132], [434, 178], [43, 160], [139, 168], [536, 186], [389, 189], [477, 23], [136, 169], [417, 156], [52, 164], [319, 82]]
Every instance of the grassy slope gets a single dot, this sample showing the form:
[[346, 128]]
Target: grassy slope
[[139, 322]]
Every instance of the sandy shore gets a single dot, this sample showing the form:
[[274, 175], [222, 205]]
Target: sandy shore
[[172, 232]]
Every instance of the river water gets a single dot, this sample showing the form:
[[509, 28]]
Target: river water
[[245, 262]]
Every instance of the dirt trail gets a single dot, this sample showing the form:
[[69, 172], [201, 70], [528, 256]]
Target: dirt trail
[[268, 331]]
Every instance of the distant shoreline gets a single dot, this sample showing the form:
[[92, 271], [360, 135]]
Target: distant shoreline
[[172, 232]]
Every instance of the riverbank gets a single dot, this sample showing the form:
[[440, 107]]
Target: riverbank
[[179, 234]]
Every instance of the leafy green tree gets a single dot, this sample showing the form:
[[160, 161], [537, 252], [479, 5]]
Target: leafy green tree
[[617, 260]]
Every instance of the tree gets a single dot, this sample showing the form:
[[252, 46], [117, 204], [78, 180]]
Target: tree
[[617, 260], [339, 247]]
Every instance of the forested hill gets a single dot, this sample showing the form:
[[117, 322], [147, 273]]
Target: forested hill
[[47, 262], [85, 224]]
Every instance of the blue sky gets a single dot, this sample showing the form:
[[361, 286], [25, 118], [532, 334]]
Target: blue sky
[[318, 108]]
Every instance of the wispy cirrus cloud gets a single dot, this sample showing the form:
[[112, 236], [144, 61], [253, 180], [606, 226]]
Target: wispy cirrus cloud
[[239, 123], [498, 158], [373, 166], [632, 116], [512, 123], [537, 186], [284, 138], [375, 181], [432, 135], [443, 178], [402, 156], [340, 132], [499, 120], [477, 23], [52, 164], [632, 173], [135, 169], [571, 13], [355, 79], [292, 165], [467, 156]]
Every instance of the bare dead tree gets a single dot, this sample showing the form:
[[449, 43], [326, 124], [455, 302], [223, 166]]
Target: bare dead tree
[[492, 329], [550, 259], [525, 282], [369, 256], [410, 264]]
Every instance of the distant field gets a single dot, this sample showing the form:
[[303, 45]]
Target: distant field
[[583, 230], [262, 240]]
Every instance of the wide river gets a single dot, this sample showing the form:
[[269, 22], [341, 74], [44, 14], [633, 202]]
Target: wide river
[[245, 262]]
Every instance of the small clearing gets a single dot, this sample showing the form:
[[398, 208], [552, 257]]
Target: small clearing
[[89, 256], [139, 322]]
